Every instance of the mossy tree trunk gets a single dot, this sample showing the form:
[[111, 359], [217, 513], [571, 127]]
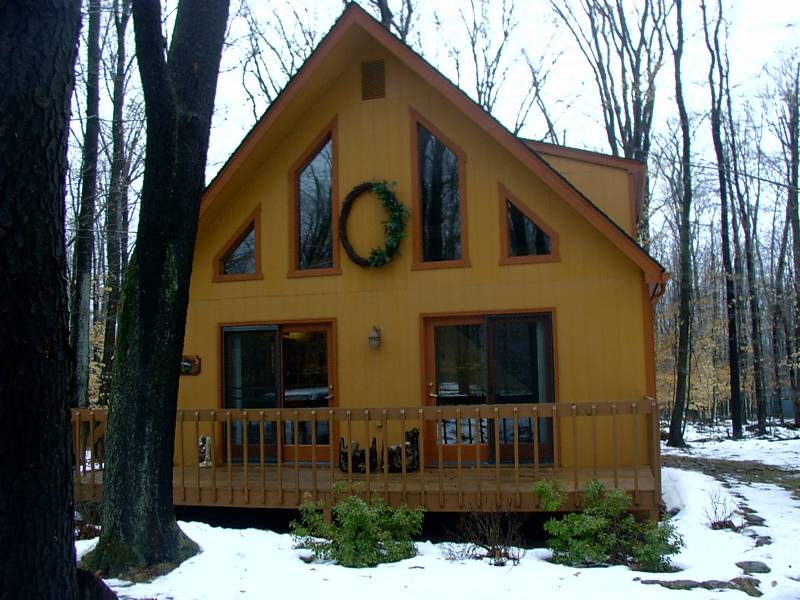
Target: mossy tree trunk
[[38, 45], [179, 85]]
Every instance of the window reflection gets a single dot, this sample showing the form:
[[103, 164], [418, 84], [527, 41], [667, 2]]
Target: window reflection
[[525, 238], [315, 192], [441, 199], [242, 258]]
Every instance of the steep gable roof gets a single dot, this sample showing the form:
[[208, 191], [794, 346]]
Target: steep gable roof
[[356, 17]]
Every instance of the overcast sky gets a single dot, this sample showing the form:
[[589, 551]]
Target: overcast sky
[[759, 31]]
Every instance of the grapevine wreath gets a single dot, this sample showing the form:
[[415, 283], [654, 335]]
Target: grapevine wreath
[[394, 227]]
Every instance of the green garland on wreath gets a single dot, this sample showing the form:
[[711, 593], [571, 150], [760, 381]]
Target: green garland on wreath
[[394, 227]]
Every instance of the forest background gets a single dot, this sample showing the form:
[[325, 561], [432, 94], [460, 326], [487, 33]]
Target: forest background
[[706, 94]]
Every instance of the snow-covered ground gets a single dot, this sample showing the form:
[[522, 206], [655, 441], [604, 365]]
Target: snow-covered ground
[[781, 448], [258, 564]]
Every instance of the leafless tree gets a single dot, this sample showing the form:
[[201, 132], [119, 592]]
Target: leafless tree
[[717, 84], [84, 237], [686, 289], [276, 44], [623, 44]]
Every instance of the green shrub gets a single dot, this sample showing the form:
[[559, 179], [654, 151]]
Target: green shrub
[[605, 533], [551, 494], [360, 534]]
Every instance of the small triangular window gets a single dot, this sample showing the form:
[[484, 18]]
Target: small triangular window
[[525, 237], [241, 258]]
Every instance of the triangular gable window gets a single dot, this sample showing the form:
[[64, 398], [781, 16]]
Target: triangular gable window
[[526, 238], [240, 257]]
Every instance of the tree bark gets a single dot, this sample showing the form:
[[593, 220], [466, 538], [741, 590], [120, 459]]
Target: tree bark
[[792, 150], [685, 248], [139, 527], [117, 198], [749, 226], [38, 45], [716, 86], [84, 236]]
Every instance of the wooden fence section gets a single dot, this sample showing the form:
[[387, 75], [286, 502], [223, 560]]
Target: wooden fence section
[[442, 458]]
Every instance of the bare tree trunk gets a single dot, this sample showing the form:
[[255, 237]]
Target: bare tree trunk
[[139, 527], [685, 247], [84, 236], [791, 143], [749, 225], [716, 86], [117, 198], [38, 45]]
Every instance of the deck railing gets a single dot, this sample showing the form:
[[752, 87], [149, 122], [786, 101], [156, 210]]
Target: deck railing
[[464, 457]]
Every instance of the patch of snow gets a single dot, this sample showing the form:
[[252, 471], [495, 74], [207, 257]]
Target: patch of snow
[[780, 449], [255, 564]]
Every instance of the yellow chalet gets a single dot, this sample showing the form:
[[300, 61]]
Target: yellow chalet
[[508, 340]]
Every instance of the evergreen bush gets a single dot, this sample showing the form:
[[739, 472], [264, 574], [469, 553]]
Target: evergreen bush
[[605, 533], [361, 534]]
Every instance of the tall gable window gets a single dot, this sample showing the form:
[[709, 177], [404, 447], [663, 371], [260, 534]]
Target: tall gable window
[[240, 257], [524, 236], [315, 242], [439, 199]]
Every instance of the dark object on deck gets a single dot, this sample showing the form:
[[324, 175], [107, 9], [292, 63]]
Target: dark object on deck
[[395, 453], [359, 457]]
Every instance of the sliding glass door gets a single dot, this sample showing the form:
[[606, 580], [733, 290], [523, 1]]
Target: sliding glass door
[[490, 359], [278, 366]]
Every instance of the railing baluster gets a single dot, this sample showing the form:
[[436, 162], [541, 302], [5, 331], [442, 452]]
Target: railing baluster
[[385, 455], [516, 457], [229, 454], [403, 467], [440, 451], [635, 418], [615, 446], [458, 459], [296, 439], [575, 447], [331, 454], [349, 452], [261, 462], [214, 455], [423, 493], [197, 468], [279, 454], [478, 440], [496, 457], [182, 457], [594, 440], [557, 458], [95, 491], [246, 455], [535, 410], [314, 453]]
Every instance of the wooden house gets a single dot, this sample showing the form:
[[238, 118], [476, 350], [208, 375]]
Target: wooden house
[[512, 330]]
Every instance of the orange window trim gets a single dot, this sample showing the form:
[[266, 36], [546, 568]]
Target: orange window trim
[[505, 195], [254, 220], [429, 320], [329, 132], [416, 197], [293, 325]]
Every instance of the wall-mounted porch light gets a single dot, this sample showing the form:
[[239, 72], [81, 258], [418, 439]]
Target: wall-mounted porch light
[[374, 337]]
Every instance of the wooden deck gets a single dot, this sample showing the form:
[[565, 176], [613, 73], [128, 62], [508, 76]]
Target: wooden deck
[[433, 489], [470, 482]]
